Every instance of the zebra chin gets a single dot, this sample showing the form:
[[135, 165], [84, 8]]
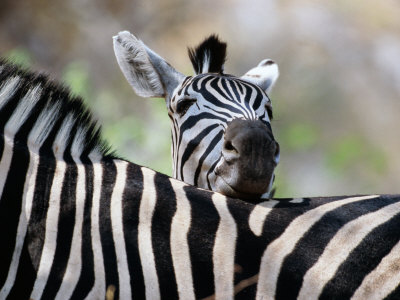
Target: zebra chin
[[238, 184], [244, 191]]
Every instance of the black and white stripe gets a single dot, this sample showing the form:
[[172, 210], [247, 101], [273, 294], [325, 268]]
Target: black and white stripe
[[76, 220]]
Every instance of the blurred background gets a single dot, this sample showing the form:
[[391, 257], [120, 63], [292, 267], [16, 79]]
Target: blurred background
[[336, 103]]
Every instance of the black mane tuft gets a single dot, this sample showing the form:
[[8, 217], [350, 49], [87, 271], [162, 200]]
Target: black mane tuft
[[53, 95], [211, 49]]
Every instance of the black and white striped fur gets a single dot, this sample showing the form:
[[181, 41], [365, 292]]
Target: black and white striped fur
[[75, 220], [201, 109]]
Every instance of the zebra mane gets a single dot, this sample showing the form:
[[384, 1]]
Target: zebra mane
[[209, 56], [44, 115]]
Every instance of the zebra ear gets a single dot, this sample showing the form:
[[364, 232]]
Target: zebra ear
[[148, 73], [264, 75]]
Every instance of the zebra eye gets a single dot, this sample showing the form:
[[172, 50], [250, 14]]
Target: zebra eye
[[268, 108], [184, 105]]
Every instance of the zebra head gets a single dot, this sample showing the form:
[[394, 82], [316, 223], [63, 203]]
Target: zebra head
[[221, 134]]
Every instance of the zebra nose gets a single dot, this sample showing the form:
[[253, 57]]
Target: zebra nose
[[248, 139], [250, 155]]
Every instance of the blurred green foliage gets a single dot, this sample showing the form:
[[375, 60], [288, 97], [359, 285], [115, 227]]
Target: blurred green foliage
[[298, 137], [20, 57], [283, 189], [76, 77], [353, 151]]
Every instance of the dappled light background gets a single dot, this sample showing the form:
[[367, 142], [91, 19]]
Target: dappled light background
[[336, 103]]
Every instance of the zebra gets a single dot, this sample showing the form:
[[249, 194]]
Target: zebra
[[221, 134], [76, 220]]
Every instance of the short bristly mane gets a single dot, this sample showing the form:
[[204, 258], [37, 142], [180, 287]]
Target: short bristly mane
[[209, 56], [34, 111]]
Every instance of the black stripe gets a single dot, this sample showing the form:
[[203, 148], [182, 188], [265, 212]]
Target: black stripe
[[209, 149], [183, 85], [86, 279], [107, 241], [66, 224], [131, 203], [161, 231], [34, 239], [173, 134], [1, 145], [259, 92], [233, 84], [246, 112], [363, 259], [226, 89], [201, 237], [10, 209], [212, 168], [192, 145], [228, 116], [193, 120], [211, 98], [40, 205], [239, 85], [249, 248], [26, 276], [296, 264], [247, 96], [11, 198]]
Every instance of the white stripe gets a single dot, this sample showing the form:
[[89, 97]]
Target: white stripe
[[147, 205], [5, 162], [24, 217], [339, 248], [8, 90], [22, 112], [74, 265], [206, 63], [43, 125], [179, 242], [259, 214], [211, 157], [276, 252], [62, 138], [53, 211], [99, 287], [50, 238], [383, 280], [118, 231], [224, 250]]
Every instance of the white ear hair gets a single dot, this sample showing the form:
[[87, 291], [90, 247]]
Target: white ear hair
[[148, 73], [135, 64], [264, 75]]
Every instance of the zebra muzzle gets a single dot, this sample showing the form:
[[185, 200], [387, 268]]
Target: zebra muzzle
[[250, 155]]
